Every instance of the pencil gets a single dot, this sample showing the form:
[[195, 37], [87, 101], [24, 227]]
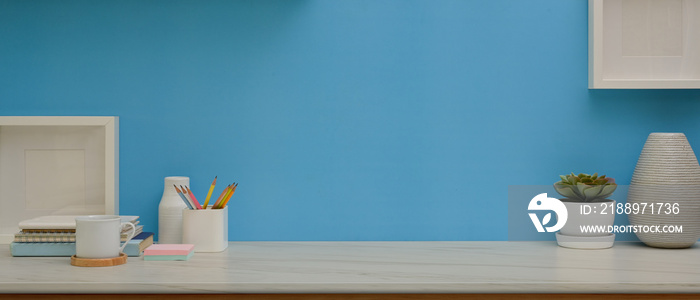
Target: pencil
[[211, 189], [228, 195], [183, 197], [230, 189], [233, 190], [220, 197], [187, 196], [194, 199]]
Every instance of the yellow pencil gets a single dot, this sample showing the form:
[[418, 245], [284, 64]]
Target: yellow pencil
[[230, 188], [220, 197], [211, 189], [233, 190]]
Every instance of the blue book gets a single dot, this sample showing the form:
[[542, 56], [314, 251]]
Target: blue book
[[135, 247]]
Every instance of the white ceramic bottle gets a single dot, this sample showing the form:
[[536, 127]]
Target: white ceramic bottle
[[667, 175], [170, 211]]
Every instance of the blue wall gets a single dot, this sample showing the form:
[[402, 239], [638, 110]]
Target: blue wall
[[343, 119]]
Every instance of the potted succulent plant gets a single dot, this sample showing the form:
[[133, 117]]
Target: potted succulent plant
[[590, 211]]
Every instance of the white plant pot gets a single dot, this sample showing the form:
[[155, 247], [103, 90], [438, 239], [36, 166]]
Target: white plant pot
[[587, 214]]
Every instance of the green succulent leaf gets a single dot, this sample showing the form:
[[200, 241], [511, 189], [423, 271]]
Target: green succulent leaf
[[566, 191], [580, 188], [608, 190], [592, 191]]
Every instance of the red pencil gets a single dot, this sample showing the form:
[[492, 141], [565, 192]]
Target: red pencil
[[194, 200]]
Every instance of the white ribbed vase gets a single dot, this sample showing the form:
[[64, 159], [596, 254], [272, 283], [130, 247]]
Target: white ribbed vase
[[170, 211], [667, 172]]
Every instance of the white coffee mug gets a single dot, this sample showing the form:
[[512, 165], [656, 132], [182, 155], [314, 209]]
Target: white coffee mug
[[99, 236]]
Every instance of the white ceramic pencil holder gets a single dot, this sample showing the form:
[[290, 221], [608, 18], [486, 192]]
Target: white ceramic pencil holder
[[206, 229]]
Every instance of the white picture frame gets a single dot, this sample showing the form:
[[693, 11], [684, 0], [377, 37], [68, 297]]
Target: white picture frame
[[57, 165], [644, 44]]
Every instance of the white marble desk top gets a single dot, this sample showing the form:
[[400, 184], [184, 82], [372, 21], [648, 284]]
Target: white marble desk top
[[372, 267]]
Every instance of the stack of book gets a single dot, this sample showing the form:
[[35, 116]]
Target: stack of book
[[55, 236]]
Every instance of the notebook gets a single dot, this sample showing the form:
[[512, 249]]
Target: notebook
[[135, 247], [59, 222], [65, 236]]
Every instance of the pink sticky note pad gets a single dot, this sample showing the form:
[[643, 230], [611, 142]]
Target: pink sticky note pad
[[169, 249]]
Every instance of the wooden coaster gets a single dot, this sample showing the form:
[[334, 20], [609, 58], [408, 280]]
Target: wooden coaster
[[98, 262]]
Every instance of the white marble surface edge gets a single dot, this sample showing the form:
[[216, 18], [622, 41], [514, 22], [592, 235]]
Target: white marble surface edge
[[373, 267]]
